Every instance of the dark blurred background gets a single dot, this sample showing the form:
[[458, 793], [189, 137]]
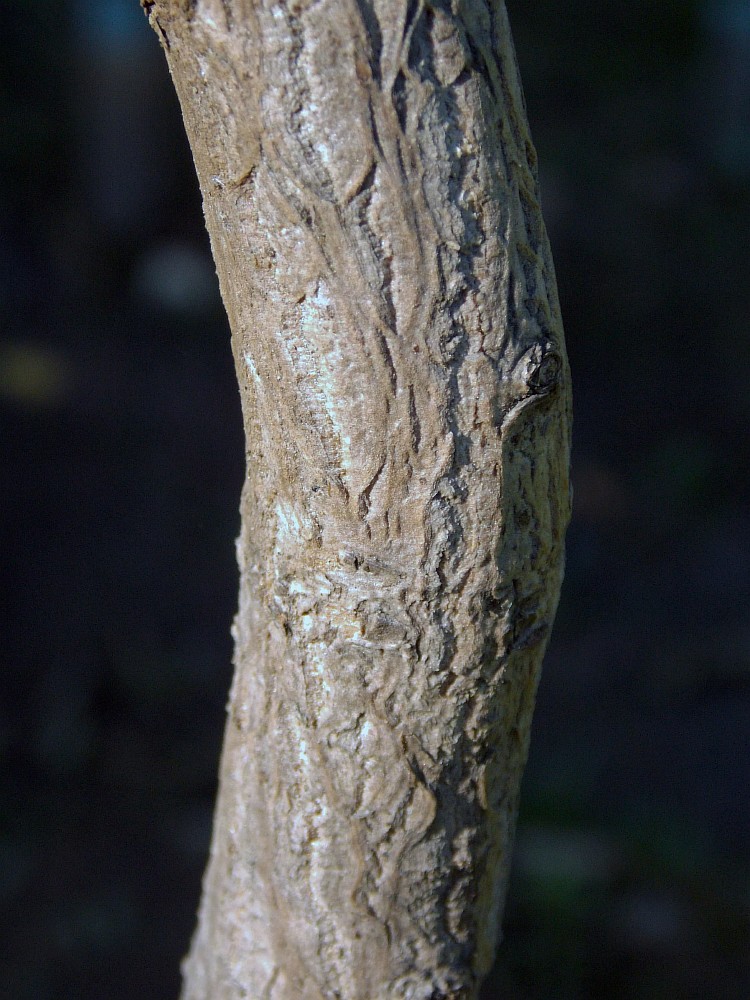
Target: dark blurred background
[[121, 464]]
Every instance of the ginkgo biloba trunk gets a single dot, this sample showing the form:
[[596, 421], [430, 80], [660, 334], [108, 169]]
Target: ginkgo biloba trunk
[[370, 189]]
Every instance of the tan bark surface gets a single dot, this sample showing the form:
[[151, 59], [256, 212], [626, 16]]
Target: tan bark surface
[[370, 189]]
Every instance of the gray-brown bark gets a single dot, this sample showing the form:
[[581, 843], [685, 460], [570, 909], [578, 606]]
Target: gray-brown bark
[[370, 190]]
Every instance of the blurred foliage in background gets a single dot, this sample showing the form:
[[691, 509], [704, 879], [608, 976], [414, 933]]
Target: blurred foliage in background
[[121, 460]]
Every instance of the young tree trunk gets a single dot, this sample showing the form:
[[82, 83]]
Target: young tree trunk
[[370, 189]]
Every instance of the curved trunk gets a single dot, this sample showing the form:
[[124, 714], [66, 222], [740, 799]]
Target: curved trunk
[[370, 190]]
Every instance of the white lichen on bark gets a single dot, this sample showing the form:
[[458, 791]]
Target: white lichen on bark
[[371, 193]]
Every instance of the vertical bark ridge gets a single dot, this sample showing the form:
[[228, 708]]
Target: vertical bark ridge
[[371, 193]]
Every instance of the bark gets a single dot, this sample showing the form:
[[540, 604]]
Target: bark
[[370, 189]]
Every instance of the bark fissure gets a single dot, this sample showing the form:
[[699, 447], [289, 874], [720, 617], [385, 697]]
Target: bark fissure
[[370, 190]]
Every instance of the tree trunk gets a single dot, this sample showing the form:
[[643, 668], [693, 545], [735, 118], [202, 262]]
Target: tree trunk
[[370, 189]]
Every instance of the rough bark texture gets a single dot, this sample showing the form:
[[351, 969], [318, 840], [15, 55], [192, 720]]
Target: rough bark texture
[[370, 190]]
